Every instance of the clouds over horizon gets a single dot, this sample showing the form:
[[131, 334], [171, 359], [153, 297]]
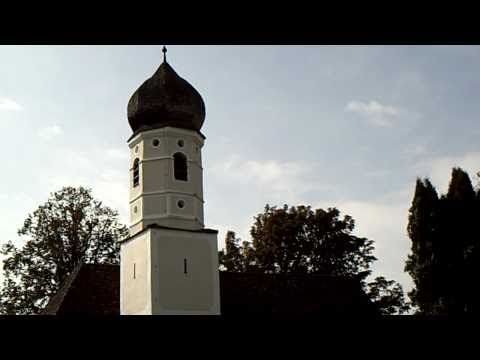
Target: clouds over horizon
[[352, 133], [237, 189], [250, 184], [385, 222]]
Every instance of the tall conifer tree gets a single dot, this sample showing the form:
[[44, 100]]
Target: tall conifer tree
[[445, 258], [458, 240], [422, 230]]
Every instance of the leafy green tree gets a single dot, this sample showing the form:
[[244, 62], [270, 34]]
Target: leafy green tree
[[71, 227], [301, 240], [231, 258], [236, 257], [387, 296]]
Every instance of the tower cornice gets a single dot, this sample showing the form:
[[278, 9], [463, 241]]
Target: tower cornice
[[135, 138]]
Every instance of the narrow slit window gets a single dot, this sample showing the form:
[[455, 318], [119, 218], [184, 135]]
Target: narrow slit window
[[185, 266], [134, 272], [180, 167], [136, 172]]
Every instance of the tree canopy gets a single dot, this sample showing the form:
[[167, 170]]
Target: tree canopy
[[388, 296], [71, 227], [445, 254], [302, 240]]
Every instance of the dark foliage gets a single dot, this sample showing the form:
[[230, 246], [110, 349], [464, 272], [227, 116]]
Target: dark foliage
[[444, 261], [71, 227], [422, 230], [387, 296], [299, 240]]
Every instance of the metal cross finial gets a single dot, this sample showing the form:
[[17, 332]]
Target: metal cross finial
[[164, 50]]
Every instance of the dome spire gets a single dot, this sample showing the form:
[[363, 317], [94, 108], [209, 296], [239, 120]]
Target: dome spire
[[165, 99], [164, 50]]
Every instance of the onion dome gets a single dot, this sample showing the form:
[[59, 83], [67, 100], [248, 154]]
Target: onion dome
[[165, 99]]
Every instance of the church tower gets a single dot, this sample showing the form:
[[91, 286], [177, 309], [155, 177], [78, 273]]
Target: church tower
[[169, 263]]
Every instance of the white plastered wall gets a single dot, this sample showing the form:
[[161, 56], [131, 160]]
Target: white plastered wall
[[135, 276], [174, 292], [159, 284], [156, 197]]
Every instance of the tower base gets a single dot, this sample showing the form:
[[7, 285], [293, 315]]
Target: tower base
[[167, 271]]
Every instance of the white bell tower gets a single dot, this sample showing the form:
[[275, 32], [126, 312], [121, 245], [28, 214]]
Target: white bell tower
[[169, 263], [166, 179]]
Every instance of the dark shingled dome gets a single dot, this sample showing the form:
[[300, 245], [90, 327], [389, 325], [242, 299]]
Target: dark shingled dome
[[165, 99]]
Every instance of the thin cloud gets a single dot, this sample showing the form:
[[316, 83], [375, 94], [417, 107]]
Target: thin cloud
[[250, 184], [285, 181], [375, 113], [7, 104], [49, 132], [414, 150]]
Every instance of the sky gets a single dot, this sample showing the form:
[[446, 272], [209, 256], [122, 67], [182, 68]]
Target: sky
[[350, 127]]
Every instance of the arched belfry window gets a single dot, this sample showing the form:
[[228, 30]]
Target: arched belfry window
[[180, 167], [136, 172]]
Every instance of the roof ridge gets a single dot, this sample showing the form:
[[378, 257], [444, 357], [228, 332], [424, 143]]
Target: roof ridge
[[100, 264], [56, 301]]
